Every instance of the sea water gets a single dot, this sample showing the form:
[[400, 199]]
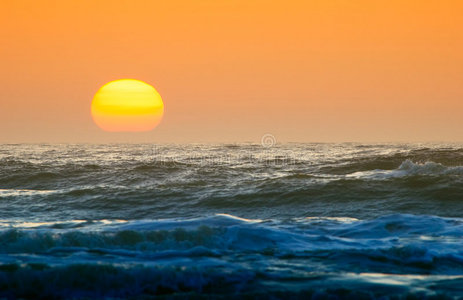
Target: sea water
[[239, 220]]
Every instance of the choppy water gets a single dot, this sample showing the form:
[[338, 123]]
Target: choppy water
[[299, 220]]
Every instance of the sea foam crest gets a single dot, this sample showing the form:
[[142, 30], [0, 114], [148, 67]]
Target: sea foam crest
[[429, 168], [410, 168]]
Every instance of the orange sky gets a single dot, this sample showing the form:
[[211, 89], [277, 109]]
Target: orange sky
[[231, 71]]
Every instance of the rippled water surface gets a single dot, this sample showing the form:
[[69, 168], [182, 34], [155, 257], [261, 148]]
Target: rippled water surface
[[305, 220]]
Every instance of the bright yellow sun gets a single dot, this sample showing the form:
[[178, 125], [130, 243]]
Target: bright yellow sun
[[127, 105]]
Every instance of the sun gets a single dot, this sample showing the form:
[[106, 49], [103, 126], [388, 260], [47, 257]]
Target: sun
[[128, 105]]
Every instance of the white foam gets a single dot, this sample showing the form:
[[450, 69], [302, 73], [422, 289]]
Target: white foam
[[409, 168], [24, 192]]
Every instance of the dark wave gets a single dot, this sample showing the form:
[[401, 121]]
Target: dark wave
[[83, 281], [143, 189], [394, 255]]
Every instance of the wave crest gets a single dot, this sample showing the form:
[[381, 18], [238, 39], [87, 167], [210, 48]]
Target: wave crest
[[429, 168]]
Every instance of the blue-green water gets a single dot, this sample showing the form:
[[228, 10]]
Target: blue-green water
[[187, 221]]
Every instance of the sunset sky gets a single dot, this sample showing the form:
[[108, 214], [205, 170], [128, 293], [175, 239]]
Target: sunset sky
[[231, 71]]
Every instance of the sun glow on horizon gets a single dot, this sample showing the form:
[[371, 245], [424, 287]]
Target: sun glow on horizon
[[127, 105]]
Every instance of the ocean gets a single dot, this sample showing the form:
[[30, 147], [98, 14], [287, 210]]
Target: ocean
[[284, 221]]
